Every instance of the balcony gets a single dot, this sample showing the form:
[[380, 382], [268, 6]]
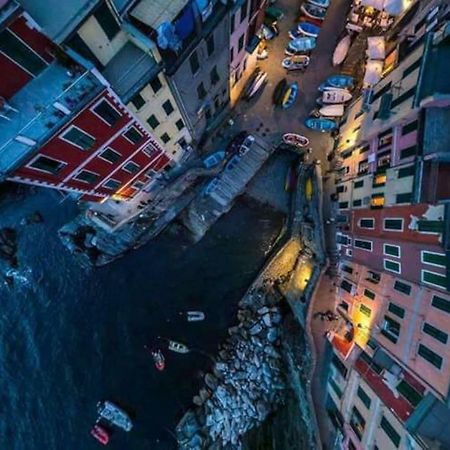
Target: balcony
[[42, 107]]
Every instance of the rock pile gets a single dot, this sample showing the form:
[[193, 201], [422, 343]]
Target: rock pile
[[246, 382]]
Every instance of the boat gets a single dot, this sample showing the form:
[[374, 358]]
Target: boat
[[340, 81], [257, 85], [251, 80], [178, 347], [321, 3], [274, 13], [341, 50], [100, 433], [279, 91], [323, 124], [115, 415], [300, 45], [336, 96], [290, 96], [295, 139], [332, 110], [299, 62], [268, 31], [194, 316], [211, 186], [159, 360], [313, 11], [214, 159], [308, 29]]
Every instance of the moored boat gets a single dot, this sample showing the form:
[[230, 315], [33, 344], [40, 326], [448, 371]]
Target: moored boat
[[290, 96], [300, 45], [332, 110], [158, 359], [100, 434], [178, 347], [323, 125], [214, 159], [295, 139], [308, 29], [299, 62], [251, 80], [336, 96], [321, 3], [257, 85], [313, 11], [115, 415], [341, 50], [195, 316], [340, 81], [279, 92]]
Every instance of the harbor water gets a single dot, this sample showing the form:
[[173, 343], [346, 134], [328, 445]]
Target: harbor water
[[72, 336]]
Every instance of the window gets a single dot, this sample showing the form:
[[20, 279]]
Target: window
[[193, 61], [107, 112], [241, 42], [232, 22], [381, 92], [408, 151], [347, 269], [153, 121], [343, 205], [435, 333], [339, 365], [107, 21], [441, 303], [379, 180], [394, 309], [180, 124], [357, 202], [358, 184], [362, 244], [232, 54], [156, 84], [133, 135], [46, 164], [112, 184], [393, 224], [392, 266], [165, 138], [405, 96], [391, 250], [410, 127], [357, 422], [365, 310], [402, 287], [210, 44], [367, 223], [390, 329], [434, 259], [244, 9], [78, 138], [335, 387], [214, 76], [138, 185], [363, 397], [86, 177], [369, 294], [168, 108], [408, 391], [201, 92], [110, 155], [390, 431], [435, 279], [19, 52], [430, 356], [138, 101], [347, 286], [415, 65], [405, 172], [430, 226], [131, 167], [377, 200]]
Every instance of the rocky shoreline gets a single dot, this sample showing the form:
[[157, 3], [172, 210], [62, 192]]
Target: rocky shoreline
[[247, 381]]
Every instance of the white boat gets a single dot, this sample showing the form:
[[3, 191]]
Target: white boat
[[257, 85], [336, 96], [112, 413], [195, 316], [295, 139], [178, 347], [313, 11], [332, 110], [320, 3], [298, 62], [341, 50]]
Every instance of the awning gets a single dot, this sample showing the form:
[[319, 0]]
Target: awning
[[155, 12], [374, 70], [377, 4], [184, 26], [397, 7], [376, 47]]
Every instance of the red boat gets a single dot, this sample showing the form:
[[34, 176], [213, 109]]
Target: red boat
[[159, 360], [99, 433]]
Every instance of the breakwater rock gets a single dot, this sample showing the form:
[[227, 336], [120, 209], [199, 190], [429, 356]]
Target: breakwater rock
[[246, 382]]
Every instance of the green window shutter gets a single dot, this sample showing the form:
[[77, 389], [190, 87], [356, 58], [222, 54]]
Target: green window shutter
[[435, 333], [430, 356], [363, 397], [369, 294], [403, 198], [392, 250], [390, 431], [441, 303], [410, 394], [435, 279], [433, 258], [430, 226], [394, 309], [358, 184], [406, 172], [402, 287], [335, 387]]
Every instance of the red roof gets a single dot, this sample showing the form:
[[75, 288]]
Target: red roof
[[343, 346]]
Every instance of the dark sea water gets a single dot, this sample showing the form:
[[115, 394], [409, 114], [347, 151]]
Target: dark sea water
[[71, 336]]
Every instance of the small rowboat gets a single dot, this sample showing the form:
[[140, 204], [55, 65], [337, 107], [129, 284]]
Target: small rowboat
[[290, 96], [322, 125], [214, 159], [158, 359], [340, 81], [300, 45], [332, 111], [308, 29], [279, 92], [194, 316], [257, 85], [295, 139], [313, 11], [211, 186], [341, 50], [178, 347], [321, 3], [336, 96], [100, 433], [251, 80], [298, 62]]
